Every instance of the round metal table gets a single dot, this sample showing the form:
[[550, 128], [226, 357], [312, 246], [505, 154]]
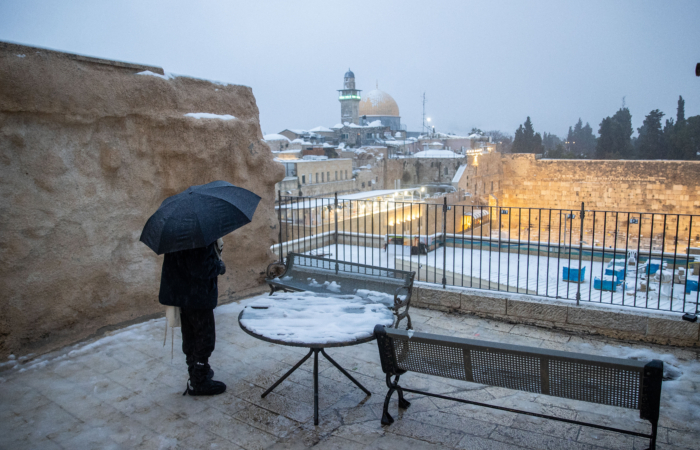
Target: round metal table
[[315, 346]]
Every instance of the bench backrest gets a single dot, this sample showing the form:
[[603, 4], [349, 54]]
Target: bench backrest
[[597, 379], [393, 277]]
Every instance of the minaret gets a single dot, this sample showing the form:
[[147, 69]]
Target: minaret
[[349, 98]]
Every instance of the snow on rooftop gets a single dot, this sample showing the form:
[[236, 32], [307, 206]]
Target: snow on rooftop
[[437, 154], [375, 123], [459, 173], [321, 129], [275, 137], [337, 126], [210, 116]]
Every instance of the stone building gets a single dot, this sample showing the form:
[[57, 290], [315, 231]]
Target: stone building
[[277, 142], [317, 176]]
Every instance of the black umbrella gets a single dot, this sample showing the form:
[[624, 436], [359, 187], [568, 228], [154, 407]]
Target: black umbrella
[[198, 216]]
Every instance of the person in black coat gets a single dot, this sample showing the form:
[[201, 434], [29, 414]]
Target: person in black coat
[[189, 281]]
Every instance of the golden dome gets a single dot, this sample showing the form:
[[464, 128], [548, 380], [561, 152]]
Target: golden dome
[[378, 103]]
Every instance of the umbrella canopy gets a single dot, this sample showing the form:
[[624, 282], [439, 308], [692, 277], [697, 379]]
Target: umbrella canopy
[[198, 216]]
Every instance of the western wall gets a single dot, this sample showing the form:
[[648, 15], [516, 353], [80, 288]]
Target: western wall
[[90, 148]]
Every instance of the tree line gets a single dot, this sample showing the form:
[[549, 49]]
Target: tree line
[[677, 138]]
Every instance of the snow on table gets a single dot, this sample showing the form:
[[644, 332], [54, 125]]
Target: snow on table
[[312, 318]]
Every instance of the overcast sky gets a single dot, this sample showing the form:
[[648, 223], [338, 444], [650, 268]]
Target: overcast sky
[[486, 64]]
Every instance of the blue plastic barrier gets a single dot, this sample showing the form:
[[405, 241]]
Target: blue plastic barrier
[[652, 267], [573, 275], [609, 284], [691, 285]]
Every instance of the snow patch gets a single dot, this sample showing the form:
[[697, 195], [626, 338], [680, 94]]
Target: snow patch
[[210, 116], [167, 76], [21, 56], [332, 286]]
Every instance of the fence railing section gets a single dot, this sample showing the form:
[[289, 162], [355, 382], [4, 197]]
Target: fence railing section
[[644, 260]]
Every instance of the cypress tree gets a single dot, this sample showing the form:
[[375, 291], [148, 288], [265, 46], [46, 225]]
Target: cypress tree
[[651, 142]]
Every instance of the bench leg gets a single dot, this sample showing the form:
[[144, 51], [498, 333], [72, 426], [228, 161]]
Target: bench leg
[[652, 441], [403, 403], [386, 417]]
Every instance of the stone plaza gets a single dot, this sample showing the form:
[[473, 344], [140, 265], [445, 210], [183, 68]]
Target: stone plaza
[[124, 390]]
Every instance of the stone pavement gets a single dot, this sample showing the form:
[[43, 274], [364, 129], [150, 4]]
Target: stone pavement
[[124, 391]]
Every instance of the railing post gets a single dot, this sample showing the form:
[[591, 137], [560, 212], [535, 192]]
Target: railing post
[[444, 243], [279, 222], [335, 214], [580, 253]]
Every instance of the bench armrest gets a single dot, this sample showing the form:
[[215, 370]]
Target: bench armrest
[[273, 268], [398, 303]]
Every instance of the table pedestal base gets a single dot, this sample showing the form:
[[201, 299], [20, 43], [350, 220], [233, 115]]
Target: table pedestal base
[[315, 352]]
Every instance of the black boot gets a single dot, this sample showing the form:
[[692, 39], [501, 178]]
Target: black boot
[[200, 384], [190, 367]]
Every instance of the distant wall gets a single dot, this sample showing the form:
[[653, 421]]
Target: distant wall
[[646, 186], [88, 151]]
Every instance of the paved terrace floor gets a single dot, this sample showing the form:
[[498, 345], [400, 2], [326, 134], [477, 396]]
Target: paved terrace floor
[[124, 391]]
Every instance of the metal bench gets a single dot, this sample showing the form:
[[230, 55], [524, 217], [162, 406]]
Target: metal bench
[[610, 381], [348, 276]]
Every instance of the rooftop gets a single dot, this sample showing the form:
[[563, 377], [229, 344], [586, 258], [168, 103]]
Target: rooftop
[[124, 391]]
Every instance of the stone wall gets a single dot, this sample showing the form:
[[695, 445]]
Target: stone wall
[[88, 151], [644, 186], [619, 323]]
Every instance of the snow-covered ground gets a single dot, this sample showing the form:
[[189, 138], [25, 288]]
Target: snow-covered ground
[[539, 275]]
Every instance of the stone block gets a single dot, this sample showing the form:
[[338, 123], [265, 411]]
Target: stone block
[[538, 311], [596, 319], [440, 297], [478, 303], [674, 328]]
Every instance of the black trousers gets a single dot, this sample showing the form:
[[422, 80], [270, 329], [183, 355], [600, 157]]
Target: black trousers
[[198, 334]]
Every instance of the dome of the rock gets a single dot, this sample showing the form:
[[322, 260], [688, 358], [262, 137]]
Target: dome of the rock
[[378, 103]]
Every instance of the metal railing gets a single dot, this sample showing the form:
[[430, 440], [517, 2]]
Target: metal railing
[[644, 260]]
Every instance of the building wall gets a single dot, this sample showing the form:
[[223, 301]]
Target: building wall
[[316, 172], [416, 171], [89, 150], [279, 145], [326, 189]]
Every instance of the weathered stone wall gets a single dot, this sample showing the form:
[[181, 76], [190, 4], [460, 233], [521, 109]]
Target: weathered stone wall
[[88, 151], [619, 323], [645, 186]]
